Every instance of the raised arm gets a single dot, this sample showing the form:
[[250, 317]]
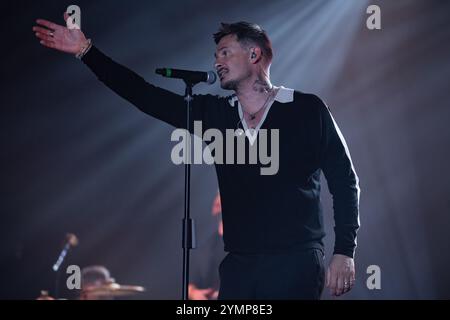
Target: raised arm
[[157, 102]]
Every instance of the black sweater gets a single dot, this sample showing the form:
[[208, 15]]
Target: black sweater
[[263, 213]]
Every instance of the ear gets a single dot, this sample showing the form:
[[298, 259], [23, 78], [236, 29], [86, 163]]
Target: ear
[[255, 54]]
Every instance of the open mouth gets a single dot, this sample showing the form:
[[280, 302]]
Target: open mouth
[[222, 73]]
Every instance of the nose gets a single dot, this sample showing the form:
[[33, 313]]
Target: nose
[[217, 65]]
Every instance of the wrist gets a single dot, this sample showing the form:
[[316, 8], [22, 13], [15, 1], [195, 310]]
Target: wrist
[[85, 47]]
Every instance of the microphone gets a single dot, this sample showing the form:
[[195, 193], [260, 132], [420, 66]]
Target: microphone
[[71, 241], [188, 76]]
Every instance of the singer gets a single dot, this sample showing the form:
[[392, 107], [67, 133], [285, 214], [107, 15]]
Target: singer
[[272, 224]]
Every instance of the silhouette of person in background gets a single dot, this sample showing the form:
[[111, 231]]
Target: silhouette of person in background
[[97, 284], [93, 277]]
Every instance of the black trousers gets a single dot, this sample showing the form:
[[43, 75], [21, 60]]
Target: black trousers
[[293, 275]]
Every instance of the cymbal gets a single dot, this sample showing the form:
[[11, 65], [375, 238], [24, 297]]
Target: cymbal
[[113, 290]]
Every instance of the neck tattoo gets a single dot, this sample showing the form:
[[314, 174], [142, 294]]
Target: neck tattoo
[[264, 106]]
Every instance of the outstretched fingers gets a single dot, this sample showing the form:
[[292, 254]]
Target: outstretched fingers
[[48, 44], [50, 25], [45, 37], [42, 30]]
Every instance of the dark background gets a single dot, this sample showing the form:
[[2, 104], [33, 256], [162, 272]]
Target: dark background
[[76, 158]]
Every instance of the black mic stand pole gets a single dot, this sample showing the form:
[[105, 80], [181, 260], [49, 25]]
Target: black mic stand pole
[[188, 223]]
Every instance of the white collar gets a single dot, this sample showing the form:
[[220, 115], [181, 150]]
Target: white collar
[[284, 95]]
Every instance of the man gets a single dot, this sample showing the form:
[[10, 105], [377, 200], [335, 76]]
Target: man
[[273, 226]]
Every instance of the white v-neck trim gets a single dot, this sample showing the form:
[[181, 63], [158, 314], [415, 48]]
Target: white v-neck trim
[[252, 134], [284, 95]]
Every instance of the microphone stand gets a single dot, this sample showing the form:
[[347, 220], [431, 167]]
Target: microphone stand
[[188, 223], [71, 241]]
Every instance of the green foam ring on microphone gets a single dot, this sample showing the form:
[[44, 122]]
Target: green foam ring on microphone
[[168, 72]]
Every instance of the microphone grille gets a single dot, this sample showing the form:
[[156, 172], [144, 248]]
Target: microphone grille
[[211, 77]]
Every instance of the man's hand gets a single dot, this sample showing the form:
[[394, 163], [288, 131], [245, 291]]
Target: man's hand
[[60, 38], [201, 294], [340, 275]]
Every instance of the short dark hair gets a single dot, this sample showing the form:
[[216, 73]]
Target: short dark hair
[[246, 32]]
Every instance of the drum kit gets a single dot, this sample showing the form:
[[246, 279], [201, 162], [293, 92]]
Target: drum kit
[[96, 281], [108, 291]]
